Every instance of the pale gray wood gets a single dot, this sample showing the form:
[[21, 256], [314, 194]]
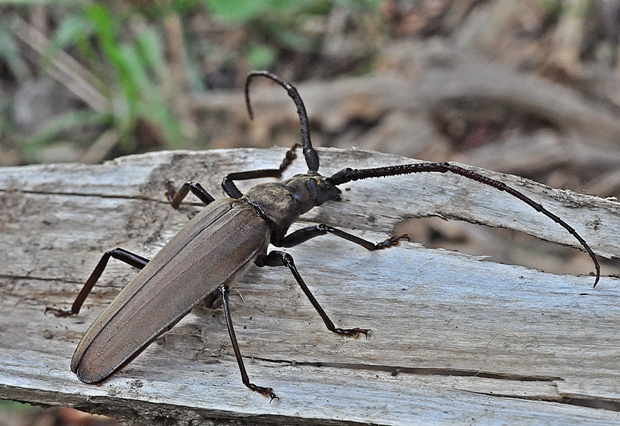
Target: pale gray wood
[[518, 343]]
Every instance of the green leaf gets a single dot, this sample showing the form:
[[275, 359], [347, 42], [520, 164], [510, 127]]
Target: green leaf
[[72, 30], [151, 51], [235, 11], [133, 67], [150, 104], [106, 29]]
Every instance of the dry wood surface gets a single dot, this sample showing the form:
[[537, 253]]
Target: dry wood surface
[[455, 339]]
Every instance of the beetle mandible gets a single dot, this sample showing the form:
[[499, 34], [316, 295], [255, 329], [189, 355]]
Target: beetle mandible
[[202, 260]]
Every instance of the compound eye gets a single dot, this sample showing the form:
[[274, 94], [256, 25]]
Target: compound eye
[[319, 190], [323, 191]]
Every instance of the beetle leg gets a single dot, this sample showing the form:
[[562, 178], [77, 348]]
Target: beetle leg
[[231, 189], [175, 198], [225, 290], [304, 234], [280, 258], [118, 253]]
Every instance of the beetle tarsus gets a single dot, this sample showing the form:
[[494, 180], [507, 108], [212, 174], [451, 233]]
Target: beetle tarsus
[[352, 332], [289, 157], [59, 313], [170, 193], [392, 241], [263, 390]]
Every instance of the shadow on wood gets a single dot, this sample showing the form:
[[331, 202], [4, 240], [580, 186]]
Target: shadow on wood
[[501, 343]]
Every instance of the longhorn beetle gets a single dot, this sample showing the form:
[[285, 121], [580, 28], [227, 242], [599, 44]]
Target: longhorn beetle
[[220, 243]]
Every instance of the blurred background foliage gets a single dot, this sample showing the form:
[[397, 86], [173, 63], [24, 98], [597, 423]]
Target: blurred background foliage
[[86, 81], [91, 80]]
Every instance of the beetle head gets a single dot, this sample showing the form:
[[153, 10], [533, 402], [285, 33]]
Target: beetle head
[[323, 190]]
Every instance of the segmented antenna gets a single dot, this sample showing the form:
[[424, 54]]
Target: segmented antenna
[[348, 175], [311, 156]]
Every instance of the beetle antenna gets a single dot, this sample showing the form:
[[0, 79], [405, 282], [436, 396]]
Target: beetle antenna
[[348, 175], [312, 158]]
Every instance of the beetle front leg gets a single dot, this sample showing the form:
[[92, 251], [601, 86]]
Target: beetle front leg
[[225, 290], [280, 258], [304, 234], [118, 253], [228, 184]]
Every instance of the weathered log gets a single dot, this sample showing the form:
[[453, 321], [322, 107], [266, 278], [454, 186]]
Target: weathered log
[[454, 339]]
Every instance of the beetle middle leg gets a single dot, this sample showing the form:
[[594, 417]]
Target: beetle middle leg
[[280, 258], [224, 291], [119, 254]]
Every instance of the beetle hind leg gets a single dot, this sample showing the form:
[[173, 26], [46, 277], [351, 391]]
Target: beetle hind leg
[[280, 258], [225, 291], [119, 254]]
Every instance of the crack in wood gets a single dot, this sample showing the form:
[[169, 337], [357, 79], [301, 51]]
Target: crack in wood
[[28, 277], [394, 370], [602, 404]]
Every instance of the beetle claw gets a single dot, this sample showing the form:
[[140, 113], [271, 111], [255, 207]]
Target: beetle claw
[[265, 391], [59, 313], [170, 191], [392, 241]]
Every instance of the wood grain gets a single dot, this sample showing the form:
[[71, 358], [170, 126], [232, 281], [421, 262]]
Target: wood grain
[[455, 339]]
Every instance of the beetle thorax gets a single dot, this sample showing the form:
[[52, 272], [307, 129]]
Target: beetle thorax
[[281, 203]]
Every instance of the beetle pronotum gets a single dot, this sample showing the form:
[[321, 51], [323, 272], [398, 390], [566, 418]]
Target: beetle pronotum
[[203, 259]]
